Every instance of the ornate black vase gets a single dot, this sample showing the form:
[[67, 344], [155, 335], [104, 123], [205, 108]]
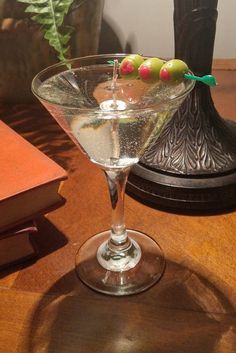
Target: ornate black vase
[[192, 165]]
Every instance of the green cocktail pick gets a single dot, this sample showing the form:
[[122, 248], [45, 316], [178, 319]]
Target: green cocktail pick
[[207, 79]]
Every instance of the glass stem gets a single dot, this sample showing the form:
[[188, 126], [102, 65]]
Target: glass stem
[[116, 182]]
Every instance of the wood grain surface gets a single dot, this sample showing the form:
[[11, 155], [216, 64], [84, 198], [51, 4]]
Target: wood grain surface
[[45, 308]]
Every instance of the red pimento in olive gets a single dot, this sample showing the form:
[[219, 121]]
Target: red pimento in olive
[[129, 66], [173, 71], [149, 71]]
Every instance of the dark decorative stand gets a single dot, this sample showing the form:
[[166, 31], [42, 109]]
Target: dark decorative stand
[[192, 165]]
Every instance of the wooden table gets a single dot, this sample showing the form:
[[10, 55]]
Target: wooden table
[[44, 308]]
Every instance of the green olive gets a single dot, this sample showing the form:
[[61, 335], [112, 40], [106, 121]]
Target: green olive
[[173, 71], [129, 66], [149, 71]]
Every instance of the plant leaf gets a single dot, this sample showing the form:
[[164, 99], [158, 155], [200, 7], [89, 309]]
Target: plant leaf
[[50, 15]]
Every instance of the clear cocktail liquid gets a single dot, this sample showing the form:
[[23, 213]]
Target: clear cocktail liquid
[[112, 124]]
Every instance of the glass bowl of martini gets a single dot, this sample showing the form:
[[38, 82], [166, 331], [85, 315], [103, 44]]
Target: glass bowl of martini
[[112, 119]]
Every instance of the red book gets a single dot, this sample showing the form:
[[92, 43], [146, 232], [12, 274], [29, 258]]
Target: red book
[[17, 245], [29, 180]]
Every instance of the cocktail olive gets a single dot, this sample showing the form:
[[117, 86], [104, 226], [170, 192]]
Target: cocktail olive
[[149, 71], [173, 71], [129, 66]]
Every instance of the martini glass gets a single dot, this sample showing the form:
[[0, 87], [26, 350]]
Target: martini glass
[[112, 120]]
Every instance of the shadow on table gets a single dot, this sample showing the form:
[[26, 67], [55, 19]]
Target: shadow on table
[[183, 313]]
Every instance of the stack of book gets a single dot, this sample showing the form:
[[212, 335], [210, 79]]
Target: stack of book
[[30, 185]]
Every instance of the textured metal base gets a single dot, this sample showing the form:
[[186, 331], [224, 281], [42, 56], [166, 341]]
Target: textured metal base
[[191, 167], [185, 194]]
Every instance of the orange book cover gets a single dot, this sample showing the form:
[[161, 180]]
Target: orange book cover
[[29, 180]]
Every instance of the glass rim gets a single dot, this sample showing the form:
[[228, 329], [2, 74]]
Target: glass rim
[[96, 110]]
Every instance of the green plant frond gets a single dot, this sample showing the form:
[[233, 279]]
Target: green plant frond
[[33, 1], [50, 15], [42, 21], [36, 9]]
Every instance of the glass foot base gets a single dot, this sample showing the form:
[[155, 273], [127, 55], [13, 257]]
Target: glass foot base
[[146, 272]]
